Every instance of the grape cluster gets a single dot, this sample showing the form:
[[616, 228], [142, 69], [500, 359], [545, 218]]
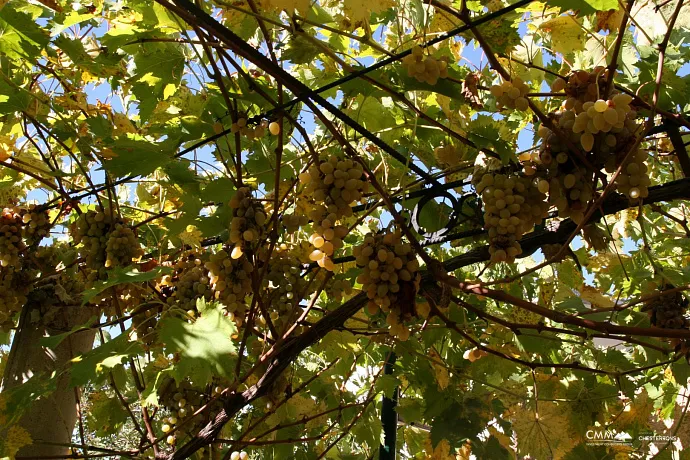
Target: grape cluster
[[668, 310], [582, 86], [339, 288], [144, 324], [633, 180], [331, 187], [512, 206], [248, 222], [190, 281], [91, 230], [283, 287], [292, 222], [247, 131], [571, 193], [231, 282], [106, 241], [122, 247], [511, 94], [11, 243], [390, 278], [424, 69], [601, 130], [36, 224], [13, 285]]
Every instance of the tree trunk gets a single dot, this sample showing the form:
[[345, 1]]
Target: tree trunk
[[50, 419]]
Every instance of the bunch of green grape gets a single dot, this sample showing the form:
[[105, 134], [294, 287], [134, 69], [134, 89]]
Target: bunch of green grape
[[425, 69], [231, 282], [190, 281], [36, 224], [13, 278], [248, 222], [390, 278], [122, 247], [330, 188], [512, 206], [511, 94]]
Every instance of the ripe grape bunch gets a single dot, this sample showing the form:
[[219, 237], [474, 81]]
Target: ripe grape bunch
[[424, 69], [339, 288], [231, 282], [331, 187], [91, 230], [511, 94], [605, 129], [633, 180], [36, 224], [190, 281], [283, 287], [248, 221], [122, 247], [247, 131], [390, 279], [12, 283], [512, 206], [668, 310]]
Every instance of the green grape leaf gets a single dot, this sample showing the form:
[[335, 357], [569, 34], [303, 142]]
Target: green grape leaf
[[20, 36], [206, 347], [122, 275], [106, 414], [94, 364]]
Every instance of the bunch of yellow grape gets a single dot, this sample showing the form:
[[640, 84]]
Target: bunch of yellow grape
[[92, 230], [633, 180], [122, 247], [230, 281], [190, 281], [571, 193], [511, 94], [248, 221], [11, 243], [390, 278], [330, 188], [36, 224], [424, 69], [292, 222], [13, 288], [512, 206], [339, 288], [283, 287], [247, 131]]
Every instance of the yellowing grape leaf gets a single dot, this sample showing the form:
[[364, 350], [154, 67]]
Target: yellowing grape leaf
[[441, 452], [566, 32], [503, 439], [609, 20], [637, 412], [360, 10], [290, 5], [542, 434], [440, 372], [191, 236], [596, 298]]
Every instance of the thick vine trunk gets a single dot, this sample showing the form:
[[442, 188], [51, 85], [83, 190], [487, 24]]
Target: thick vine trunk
[[50, 419]]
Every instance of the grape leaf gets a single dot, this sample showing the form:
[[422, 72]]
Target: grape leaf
[[205, 346], [121, 275], [95, 363]]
